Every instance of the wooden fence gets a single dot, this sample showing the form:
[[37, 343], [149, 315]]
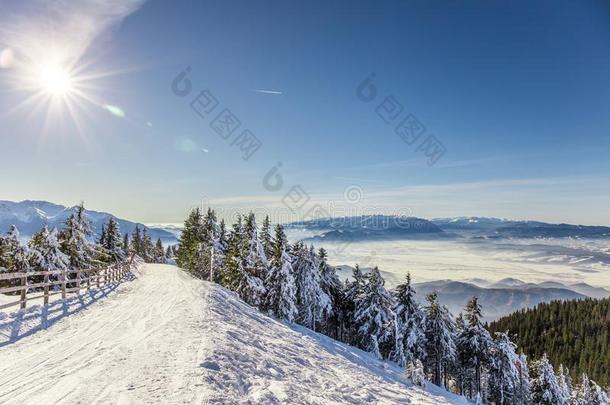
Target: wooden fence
[[58, 282]]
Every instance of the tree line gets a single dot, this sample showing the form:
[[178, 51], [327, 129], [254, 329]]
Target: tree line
[[573, 333], [74, 247], [295, 283]]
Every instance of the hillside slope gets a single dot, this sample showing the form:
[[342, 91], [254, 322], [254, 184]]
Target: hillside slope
[[168, 338], [573, 333]]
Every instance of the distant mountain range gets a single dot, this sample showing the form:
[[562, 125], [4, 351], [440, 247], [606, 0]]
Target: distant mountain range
[[504, 228], [375, 227], [497, 298], [370, 227], [31, 216]]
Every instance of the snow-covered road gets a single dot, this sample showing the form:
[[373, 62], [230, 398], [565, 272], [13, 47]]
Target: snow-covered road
[[167, 338]]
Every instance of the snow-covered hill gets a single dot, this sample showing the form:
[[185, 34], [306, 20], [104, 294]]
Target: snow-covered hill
[[168, 338], [30, 216]]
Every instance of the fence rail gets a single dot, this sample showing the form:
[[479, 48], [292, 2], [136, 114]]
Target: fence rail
[[83, 280]]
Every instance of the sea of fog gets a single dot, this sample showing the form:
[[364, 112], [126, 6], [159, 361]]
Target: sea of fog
[[531, 260]]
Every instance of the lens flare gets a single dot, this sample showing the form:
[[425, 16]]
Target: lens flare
[[55, 80]]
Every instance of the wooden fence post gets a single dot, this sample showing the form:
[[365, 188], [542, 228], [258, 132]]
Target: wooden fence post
[[46, 288], [78, 274], [24, 291], [63, 283], [88, 279]]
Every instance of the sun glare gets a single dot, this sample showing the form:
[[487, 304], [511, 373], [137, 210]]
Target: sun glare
[[55, 80]]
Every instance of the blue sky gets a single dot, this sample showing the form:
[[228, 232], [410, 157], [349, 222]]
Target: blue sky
[[517, 93]]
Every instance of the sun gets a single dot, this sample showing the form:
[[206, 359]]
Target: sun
[[54, 79]]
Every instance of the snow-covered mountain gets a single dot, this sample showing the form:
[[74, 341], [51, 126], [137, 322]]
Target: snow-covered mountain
[[30, 216]]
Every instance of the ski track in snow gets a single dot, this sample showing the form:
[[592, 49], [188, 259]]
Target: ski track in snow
[[168, 338]]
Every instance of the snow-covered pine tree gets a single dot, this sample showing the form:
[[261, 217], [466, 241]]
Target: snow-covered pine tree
[[333, 320], [474, 344], [410, 336], [253, 267], [353, 293], [266, 237], [583, 394], [73, 239], [545, 388], [102, 238], [232, 271], [136, 241], [415, 372], [281, 291], [159, 252], [312, 302], [440, 340], [589, 393], [565, 384], [169, 253], [374, 317], [16, 254], [503, 375], [45, 253], [148, 247], [126, 244], [523, 389], [111, 240]]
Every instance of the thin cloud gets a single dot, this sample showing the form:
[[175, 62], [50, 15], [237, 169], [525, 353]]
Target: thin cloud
[[267, 91], [72, 25]]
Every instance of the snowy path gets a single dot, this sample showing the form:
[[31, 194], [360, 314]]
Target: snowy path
[[139, 345], [167, 338]]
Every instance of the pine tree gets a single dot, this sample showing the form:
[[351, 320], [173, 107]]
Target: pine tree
[[251, 267], [312, 301], [583, 395], [333, 318], [545, 388], [126, 244], [410, 336], [440, 340], [565, 384], [523, 389], [503, 377], [102, 238], [374, 317], [148, 248], [266, 238], [474, 344], [189, 242], [111, 240], [281, 291], [353, 293], [159, 252], [137, 245], [415, 372], [73, 239], [46, 254], [16, 254]]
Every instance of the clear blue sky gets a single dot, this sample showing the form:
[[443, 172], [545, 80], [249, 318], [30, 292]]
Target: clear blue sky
[[518, 93]]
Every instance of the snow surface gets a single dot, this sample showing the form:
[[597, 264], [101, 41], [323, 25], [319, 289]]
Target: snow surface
[[168, 338]]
